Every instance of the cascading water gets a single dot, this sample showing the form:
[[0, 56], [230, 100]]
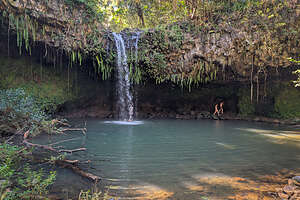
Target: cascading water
[[125, 106]]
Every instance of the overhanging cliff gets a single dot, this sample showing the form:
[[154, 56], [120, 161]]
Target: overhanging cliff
[[186, 53]]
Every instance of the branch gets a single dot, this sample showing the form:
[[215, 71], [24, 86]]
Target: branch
[[50, 148], [74, 129], [67, 164], [39, 145], [62, 141], [72, 150]]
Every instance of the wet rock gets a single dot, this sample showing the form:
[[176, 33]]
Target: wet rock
[[215, 117], [296, 195], [289, 190], [204, 115], [283, 196], [296, 178]]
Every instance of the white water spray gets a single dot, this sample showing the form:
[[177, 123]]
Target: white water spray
[[125, 106]]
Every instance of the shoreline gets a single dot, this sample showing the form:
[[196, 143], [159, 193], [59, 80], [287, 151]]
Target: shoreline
[[193, 116]]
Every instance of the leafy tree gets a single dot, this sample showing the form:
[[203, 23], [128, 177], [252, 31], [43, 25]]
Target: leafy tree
[[297, 82]]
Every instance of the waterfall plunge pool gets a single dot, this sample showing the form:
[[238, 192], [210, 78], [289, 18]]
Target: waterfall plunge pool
[[178, 159]]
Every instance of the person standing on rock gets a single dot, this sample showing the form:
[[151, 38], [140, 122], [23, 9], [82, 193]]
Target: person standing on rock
[[216, 109], [221, 111]]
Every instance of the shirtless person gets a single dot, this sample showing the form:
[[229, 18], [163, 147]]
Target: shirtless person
[[221, 111], [216, 110]]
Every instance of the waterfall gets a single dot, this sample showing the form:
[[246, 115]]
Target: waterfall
[[125, 105]]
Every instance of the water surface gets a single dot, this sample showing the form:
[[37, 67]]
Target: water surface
[[179, 159]]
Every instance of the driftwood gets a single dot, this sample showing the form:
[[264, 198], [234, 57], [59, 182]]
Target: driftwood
[[73, 165]]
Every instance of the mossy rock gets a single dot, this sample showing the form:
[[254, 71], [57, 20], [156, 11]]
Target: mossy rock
[[47, 85]]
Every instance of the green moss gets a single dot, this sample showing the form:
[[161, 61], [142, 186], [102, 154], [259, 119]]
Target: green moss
[[49, 87], [287, 103], [245, 106], [161, 57]]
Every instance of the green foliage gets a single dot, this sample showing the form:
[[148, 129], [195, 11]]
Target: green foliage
[[287, 103], [104, 68], [161, 55], [48, 87], [17, 102], [21, 182], [297, 72], [93, 8], [19, 112], [152, 13], [25, 28], [297, 82], [246, 107], [88, 195]]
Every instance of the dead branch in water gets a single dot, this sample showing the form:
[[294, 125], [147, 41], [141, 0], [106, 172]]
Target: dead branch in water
[[72, 150], [46, 147], [76, 169], [83, 130], [62, 141], [50, 148]]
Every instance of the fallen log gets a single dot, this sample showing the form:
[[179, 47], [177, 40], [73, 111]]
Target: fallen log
[[76, 169]]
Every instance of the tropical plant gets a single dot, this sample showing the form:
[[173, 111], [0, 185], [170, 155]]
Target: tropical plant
[[21, 182]]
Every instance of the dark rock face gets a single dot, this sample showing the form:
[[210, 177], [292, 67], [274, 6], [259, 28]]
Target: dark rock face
[[154, 101]]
